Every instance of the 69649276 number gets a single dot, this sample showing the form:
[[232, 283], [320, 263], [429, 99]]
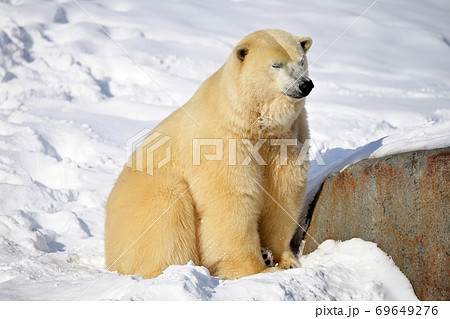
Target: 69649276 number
[[407, 310]]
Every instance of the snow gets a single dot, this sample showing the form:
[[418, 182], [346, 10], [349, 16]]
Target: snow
[[350, 270], [70, 98]]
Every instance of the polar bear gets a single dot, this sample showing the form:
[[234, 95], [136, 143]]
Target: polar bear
[[225, 182]]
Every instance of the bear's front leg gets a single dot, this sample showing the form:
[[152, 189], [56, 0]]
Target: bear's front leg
[[228, 210], [284, 190]]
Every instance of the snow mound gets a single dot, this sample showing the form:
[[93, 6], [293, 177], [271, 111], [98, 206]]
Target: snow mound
[[350, 270]]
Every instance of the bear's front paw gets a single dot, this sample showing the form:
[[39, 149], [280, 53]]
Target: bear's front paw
[[288, 261]]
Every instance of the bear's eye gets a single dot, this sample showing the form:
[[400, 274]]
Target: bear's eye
[[277, 65]]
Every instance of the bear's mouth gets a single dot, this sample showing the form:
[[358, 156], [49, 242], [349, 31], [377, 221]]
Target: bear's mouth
[[296, 96]]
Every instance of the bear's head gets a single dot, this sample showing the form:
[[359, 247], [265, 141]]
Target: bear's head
[[270, 73]]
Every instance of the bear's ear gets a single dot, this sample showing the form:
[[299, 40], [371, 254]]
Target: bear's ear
[[241, 51], [306, 43]]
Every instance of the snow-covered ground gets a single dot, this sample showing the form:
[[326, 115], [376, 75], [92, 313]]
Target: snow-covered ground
[[70, 97]]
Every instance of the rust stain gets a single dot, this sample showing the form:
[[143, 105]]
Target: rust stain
[[440, 161], [344, 183]]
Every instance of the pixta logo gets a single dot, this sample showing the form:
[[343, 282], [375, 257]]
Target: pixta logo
[[308, 150], [141, 147]]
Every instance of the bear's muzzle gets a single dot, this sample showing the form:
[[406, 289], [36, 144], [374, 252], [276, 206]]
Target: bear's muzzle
[[301, 89]]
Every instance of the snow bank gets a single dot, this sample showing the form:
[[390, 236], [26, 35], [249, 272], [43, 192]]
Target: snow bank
[[350, 270]]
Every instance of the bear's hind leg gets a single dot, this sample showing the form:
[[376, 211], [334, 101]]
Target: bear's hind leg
[[150, 225]]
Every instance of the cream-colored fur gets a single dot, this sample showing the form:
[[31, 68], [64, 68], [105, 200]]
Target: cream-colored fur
[[225, 217]]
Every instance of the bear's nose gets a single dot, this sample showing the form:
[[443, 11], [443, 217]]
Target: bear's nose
[[306, 85]]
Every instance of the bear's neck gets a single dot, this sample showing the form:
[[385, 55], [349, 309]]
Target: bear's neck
[[218, 104]]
